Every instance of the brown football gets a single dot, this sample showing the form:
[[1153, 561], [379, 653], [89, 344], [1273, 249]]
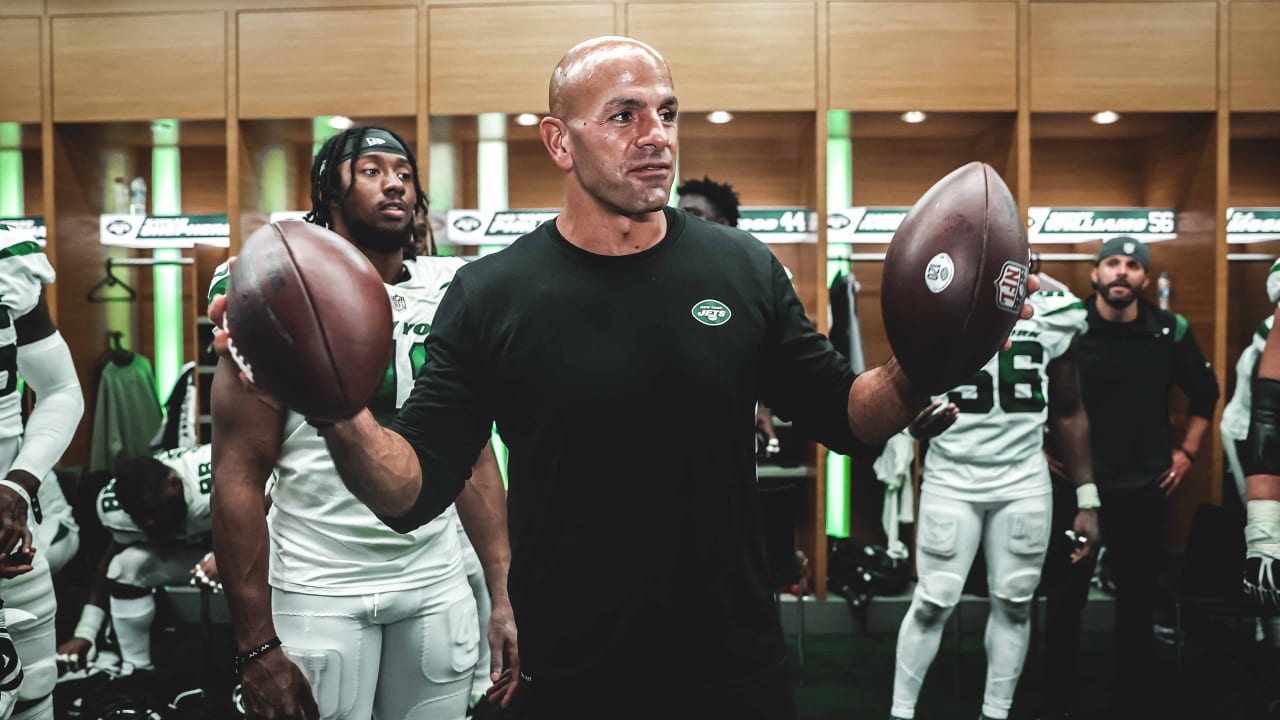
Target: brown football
[[309, 319], [955, 278]]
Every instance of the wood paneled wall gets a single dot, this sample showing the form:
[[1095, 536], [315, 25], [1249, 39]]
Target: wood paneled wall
[[139, 67], [1124, 56], [1010, 82]]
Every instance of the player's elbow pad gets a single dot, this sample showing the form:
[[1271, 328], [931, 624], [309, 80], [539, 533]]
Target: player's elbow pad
[[1262, 448], [46, 365]]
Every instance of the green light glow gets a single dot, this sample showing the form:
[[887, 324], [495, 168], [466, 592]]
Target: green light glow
[[166, 199], [441, 172], [12, 203], [321, 130], [837, 495], [491, 181], [839, 196], [275, 178]]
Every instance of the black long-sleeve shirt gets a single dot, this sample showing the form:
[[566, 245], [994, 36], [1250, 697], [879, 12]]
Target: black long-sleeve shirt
[[1126, 370], [624, 388]]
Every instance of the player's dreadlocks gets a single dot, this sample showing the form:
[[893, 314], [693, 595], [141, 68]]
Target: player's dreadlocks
[[721, 196], [326, 177]]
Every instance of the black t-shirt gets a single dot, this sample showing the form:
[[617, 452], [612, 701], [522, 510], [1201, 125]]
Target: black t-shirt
[[624, 388], [1126, 371]]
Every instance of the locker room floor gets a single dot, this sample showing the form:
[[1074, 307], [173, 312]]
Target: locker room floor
[[848, 670]]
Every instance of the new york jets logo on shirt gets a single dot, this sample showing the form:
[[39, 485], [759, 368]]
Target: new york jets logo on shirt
[[711, 312]]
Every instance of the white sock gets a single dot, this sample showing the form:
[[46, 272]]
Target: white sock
[[1262, 528], [132, 618]]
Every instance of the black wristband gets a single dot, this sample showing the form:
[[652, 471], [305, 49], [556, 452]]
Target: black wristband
[[1190, 456], [247, 657]]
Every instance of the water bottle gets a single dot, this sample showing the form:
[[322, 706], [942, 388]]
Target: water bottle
[[1162, 290], [138, 196], [118, 199]]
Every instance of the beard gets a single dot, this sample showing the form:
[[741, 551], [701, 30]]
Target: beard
[[1117, 303], [381, 240]]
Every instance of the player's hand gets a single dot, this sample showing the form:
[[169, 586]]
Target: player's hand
[[73, 655], [15, 537], [1171, 478], [772, 446], [934, 419], [1033, 286], [205, 574], [503, 645], [1086, 528], [274, 688]]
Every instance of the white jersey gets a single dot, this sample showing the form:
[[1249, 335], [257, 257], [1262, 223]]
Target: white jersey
[[994, 450], [194, 466], [24, 271], [323, 540], [1235, 416]]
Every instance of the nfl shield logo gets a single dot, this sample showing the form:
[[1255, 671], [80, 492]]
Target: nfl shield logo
[[398, 302]]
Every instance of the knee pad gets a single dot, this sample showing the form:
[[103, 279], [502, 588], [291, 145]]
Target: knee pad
[[1017, 587], [129, 566], [1262, 447], [939, 592]]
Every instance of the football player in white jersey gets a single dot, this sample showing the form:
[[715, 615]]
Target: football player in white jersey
[[1235, 416], [156, 511], [1260, 465], [30, 347], [358, 620], [986, 481]]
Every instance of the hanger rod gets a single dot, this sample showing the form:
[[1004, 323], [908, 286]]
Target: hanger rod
[[111, 262]]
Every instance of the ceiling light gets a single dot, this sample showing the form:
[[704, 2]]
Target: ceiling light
[[1106, 117], [526, 119], [340, 122], [913, 117], [719, 117]]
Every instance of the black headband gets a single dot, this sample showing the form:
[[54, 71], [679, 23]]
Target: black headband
[[374, 140]]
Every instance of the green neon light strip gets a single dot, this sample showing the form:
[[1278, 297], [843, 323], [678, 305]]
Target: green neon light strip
[[274, 182], [837, 495], [839, 195], [166, 199], [12, 203], [491, 179], [441, 169]]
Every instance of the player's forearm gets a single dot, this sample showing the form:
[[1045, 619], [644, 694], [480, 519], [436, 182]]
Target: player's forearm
[[46, 365], [1196, 427], [882, 401], [241, 546], [377, 465], [1072, 429], [482, 508]]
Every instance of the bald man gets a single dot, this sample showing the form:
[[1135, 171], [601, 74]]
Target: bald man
[[637, 571]]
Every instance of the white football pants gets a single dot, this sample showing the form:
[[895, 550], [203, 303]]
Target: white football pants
[[1015, 535]]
